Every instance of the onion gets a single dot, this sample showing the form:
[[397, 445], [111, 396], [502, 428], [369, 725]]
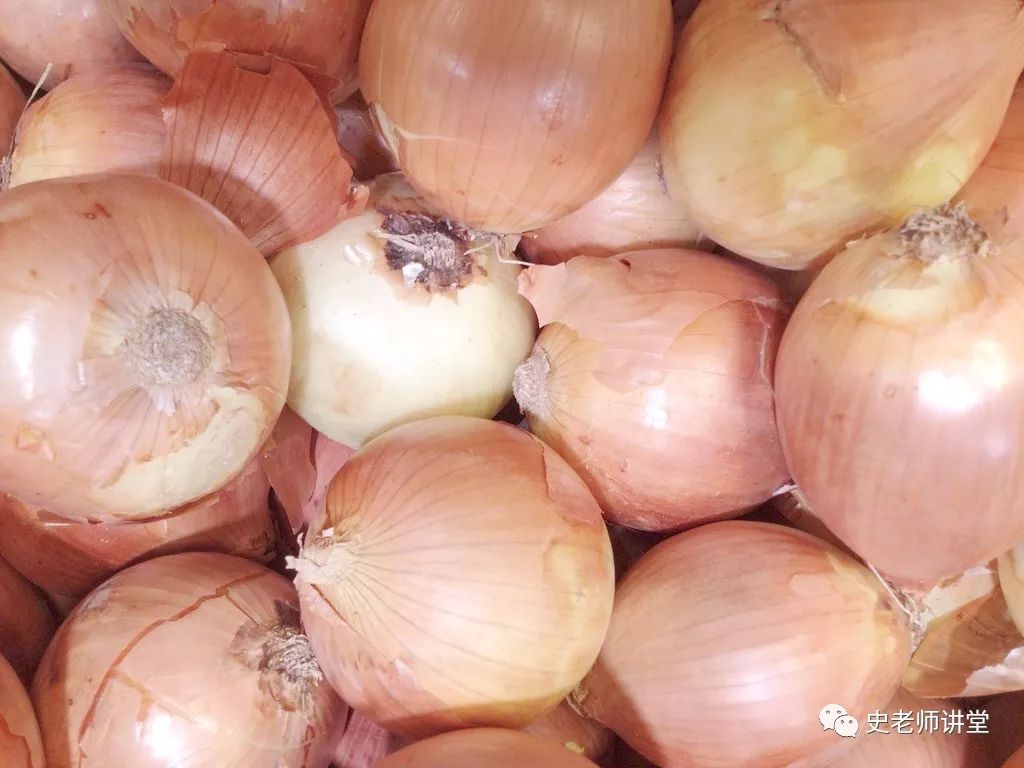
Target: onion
[[362, 743], [971, 646], [26, 623], [1016, 760], [321, 35], [71, 559], [564, 725], [146, 348], [635, 212], [790, 128], [254, 138], [190, 658], [398, 315], [102, 120], [12, 103], [1011, 582], [727, 640], [653, 377], [361, 139], [20, 743], [460, 575], [491, 747], [74, 36], [897, 399], [509, 116]]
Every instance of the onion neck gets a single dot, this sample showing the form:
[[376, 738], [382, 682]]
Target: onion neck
[[431, 252], [530, 383], [943, 234]]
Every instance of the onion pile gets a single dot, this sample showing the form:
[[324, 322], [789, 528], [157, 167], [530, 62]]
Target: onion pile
[[485, 747], [766, 623], [459, 575], [653, 376], [792, 127], [26, 624], [20, 744], [191, 657]]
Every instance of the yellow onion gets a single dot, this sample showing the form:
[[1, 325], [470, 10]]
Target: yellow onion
[[72, 558], [508, 116], [253, 137], [146, 348], [20, 743], [490, 747], [564, 725], [104, 120], [26, 623], [789, 128], [69, 36], [400, 314], [970, 646], [897, 400], [361, 140], [1011, 582], [726, 642], [193, 659], [634, 213], [322, 36], [460, 575], [653, 377]]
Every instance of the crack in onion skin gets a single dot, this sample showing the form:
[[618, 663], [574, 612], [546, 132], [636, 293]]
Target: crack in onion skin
[[20, 743], [725, 640], [75, 36], [71, 558], [163, 665], [84, 259], [26, 622], [460, 575], [320, 35], [654, 381], [898, 392], [107, 120], [791, 127], [490, 747], [253, 137], [541, 105]]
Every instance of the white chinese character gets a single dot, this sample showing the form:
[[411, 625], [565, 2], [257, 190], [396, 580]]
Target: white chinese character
[[953, 721], [903, 722], [928, 721], [876, 720], [977, 721]]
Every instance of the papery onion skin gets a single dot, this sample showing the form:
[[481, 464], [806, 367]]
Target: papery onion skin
[[1011, 582], [20, 743], [362, 743], [761, 621], [377, 345], [75, 36], [543, 105], [634, 213], [26, 623], [145, 348], [791, 128], [362, 141], [191, 660], [491, 747], [652, 375], [72, 558], [104, 120], [12, 103], [321, 35], [898, 396], [564, 725], [478, 531]]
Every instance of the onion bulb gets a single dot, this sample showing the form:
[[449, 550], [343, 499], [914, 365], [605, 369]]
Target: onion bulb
[[71, 558], [399, 314], [1016, 759], [970, 646], [106, 120], [726, 640], [653, 377], [564, 725], [26, 623], [491, 747], [635, 212], [20, 743], [790, 128], [459, 575], [897, 399], [189, 659], [508, 116], [322, 36], [71, 36], [145, 348], [361, 140], [254, 138]]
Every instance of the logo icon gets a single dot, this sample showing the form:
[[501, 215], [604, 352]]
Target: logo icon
[[834, 717], [847, 726]]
